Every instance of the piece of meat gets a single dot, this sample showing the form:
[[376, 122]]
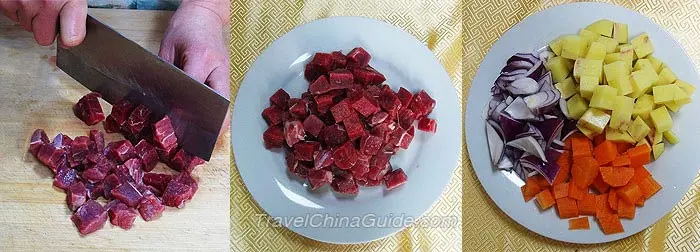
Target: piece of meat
[[130, 171], [344, 157], [293, 132], [121, 215], [94, 190], [150, 207], [345, 184], [319, 178], [427, 125], [368, 76], [98, 138], [184, 162], [360, 169], [305, 150], [402, 138], [422, 104], [89, 217], [274, 115], [128, 194], [323, 159], [38, 139], [279, 99], [65, 177], [334, 135], [52, 157], [323, 102], [164, 135], [405, 97], [78, 151], [120, 112], [340, 79], [138, 120], [158, 181], [395, 178], [339, 60], [111, 126], [273, 137], [358, 57], [121, 151], [354, 127], [406, 118], [365, 105], [370, 145], [299, 109], [176, 194], [76, 195], [88, 109], [188, 180], [110, 182], [148, 155], [313, 125]]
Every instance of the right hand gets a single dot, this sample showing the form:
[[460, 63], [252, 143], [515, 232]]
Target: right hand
[[42, 16]]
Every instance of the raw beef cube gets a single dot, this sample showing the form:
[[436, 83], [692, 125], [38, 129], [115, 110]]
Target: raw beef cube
[[311, 73], [373, 91], [302, 170], [370, 145], [138, 120], [184, 161], [368, 182], [292, 162], [299, 110], [158, 181], [88, 109], [344, 157], [89, 217], [98, 140], [164, 135], [127, 193], [342, 111], [274, 116], [402, 138], [389, 101], [321, 86], [422, 104], [388, 149], [313, 125], [339, 60], [61, 141], [304, 151], [121, 111], [395, 178], [121, 215], [354, 127], [344, 184], [279, 99], [95, 191], [293, 132], [377, 118], [111, 125], [76, 195], [378, 166], [384, 130], [427, 125], [150, 207], [93, 175], [358, 57], [367, 76], [78, 151], [273, 137], [405, 97], [176, 194], [194, 162], [38, 139], [148, 155], [149, 190], [322, 62], [130, 171], [121, 151], [365, 106], [340, 79], [319, 178], [360, 168], [110, 182], [323, 159], [323, 102], [334, 135], [406, 118], [188, 180], [51, 156]]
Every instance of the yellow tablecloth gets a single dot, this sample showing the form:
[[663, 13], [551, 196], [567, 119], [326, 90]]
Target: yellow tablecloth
[[257, 23], [485, 226]]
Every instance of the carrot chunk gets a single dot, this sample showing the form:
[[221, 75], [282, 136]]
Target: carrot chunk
[[545, 200], [567, 208], [640, 173], [649, 187], [581, 146], [612, 200], [579, 223], [598, 139], [584, 170], [542, 182], [622, 160], [622, 147], [605, 152], [625, 210], [616, 176], [561, 190], [575, 192], [586, 206], [530, 189], [564, 162], [601, 205], [640, 202], [610, 224], [630, 193], [600, 185], [639, 155]]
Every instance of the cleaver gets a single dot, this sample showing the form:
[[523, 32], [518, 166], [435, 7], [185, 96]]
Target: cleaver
[[118, 68]]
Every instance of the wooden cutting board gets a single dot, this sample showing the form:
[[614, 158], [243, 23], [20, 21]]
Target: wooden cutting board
[[33, 213]]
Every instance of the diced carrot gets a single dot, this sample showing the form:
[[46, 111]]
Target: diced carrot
[[584, 170], [640, 202], [621, 160], [530, 189], [542, 182], [625, 210], [564, 162], [575, 192], [567, 208], [639, 155], [598, 139], [616, 176], [649, 187], [586, 206], [600, 185], [622, 147], [545, 200], [640, 173], [610, 224], [581, 147], [579, 223], [605, 152], [630, 193], [561, 190], [612, 200], [568, 144], [601, 205]]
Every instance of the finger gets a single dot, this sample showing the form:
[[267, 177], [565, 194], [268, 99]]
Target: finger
[[73, 16], [219, 81], [10, 8], [197, 66], [44, 27], [167, 51]]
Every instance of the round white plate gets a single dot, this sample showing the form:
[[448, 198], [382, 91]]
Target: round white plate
[[429, 162], [675, 170]]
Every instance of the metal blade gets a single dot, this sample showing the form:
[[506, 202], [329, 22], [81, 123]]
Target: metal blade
[[108, 63]]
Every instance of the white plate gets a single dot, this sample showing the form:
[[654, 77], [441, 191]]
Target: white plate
[[429, 162], [675, 170]]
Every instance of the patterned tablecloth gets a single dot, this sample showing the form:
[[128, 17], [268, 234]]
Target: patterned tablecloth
[[257, 23], [485, 226]]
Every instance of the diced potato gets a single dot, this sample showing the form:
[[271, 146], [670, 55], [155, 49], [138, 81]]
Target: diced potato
[[657, 149], [642, 45], [673, 106], [576, 106], [603, 97], [560, 68], [620, 33], [658, 64], [609, 43], [643, 142], [557, 44], [627, 51], [661, 119], [656, 136], [603, 27], [643, 106], [571, 48], [596, 51], [615, 71], [664, 94], [623, 85], [567, 87], [621, 116], [588, 67], [612, 57], [638, 129], [586, 131], [642, 81], [666, 76], [588, 36], [689, 89], [595, 120], [642, 64], [618, 136], [679, 95], [587, 86], [671, 137]]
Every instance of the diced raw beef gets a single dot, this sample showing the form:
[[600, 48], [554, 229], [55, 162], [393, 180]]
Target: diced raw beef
[[89, 217], [360, 168], [76, 195], [370, 145], [164, 135], [299, 110], [88, 109], [95, 191], [111, 125], [322, 62], [340, 79], [121, 111], [279, 99], [273, 137], [302, 170], [184, 162], [293, 132], [98, 138], [292, 162], [366, 106], [402, 138], [334, 135], [148, 155], [93, 175], [378, 166], [38, 139], [405, 97], [342, 111], [427, 125], [187, 179], [51, 156], [377, 118], [395, 178], [321, 86], [310, 73], [373, 91], [345, 184], [422, 104], [368, 182], [121, 215], [128, 194], [130, 171], [354, 127], [406, 118], [78, 151], [323, 159], [339, 60], [344, 157], [158, 181], [358, 57], [110, 182], [368, 76], [304, 151], [138, 120], [323, 102], [121, 151], [319, 178], [176, 194], [274, 115], [65, 177], [150, 207], [313, 125], [389, 101], [384, 130]]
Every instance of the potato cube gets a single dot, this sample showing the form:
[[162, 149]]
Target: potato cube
[[620, 33], [689, 89], [643, 142], [588, 36], [679, 96], [615, 70], [666, 76], [642, 81], [560, 68], [673, 106], [588, 67], [571, 48], [658, 64], [567, 88], [661, 119], [596, 51], [655, 136], [576, 106], [612, 57], [557, 44], [621, 116], [623, 85], [663, 94], [671, 137], [595, 120], [610, 44], [627, 54], [586, 131], [638, 129], [657, 150], [603, 27], [642, 64], [642, 45], [587, 86], [603, 97], [618, 135], [643, 106]]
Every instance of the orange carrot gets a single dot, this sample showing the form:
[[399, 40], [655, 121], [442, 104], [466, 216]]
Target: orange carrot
[[610, 224], [581, 147], [579, 223], [600, 185], [567, 208], [639, 155], [545, 200], [586, 206], [598, 139], [542, 182], [584, 170], [616, 176], [630, 193], [649, 187], [561, 190], [640, 202], [530, 189], [625, 210], [568, 143], [622, 160], [612, 200], [605, 152], [640, 173], [564, 162], [575, 192], [622, 147], [601, 205]]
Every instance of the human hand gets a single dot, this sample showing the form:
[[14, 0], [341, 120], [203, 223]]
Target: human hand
[[42, 17]]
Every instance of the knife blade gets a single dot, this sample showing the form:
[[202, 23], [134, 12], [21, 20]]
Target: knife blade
[[118, 68]]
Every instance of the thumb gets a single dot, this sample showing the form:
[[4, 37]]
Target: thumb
[[73, 16]]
